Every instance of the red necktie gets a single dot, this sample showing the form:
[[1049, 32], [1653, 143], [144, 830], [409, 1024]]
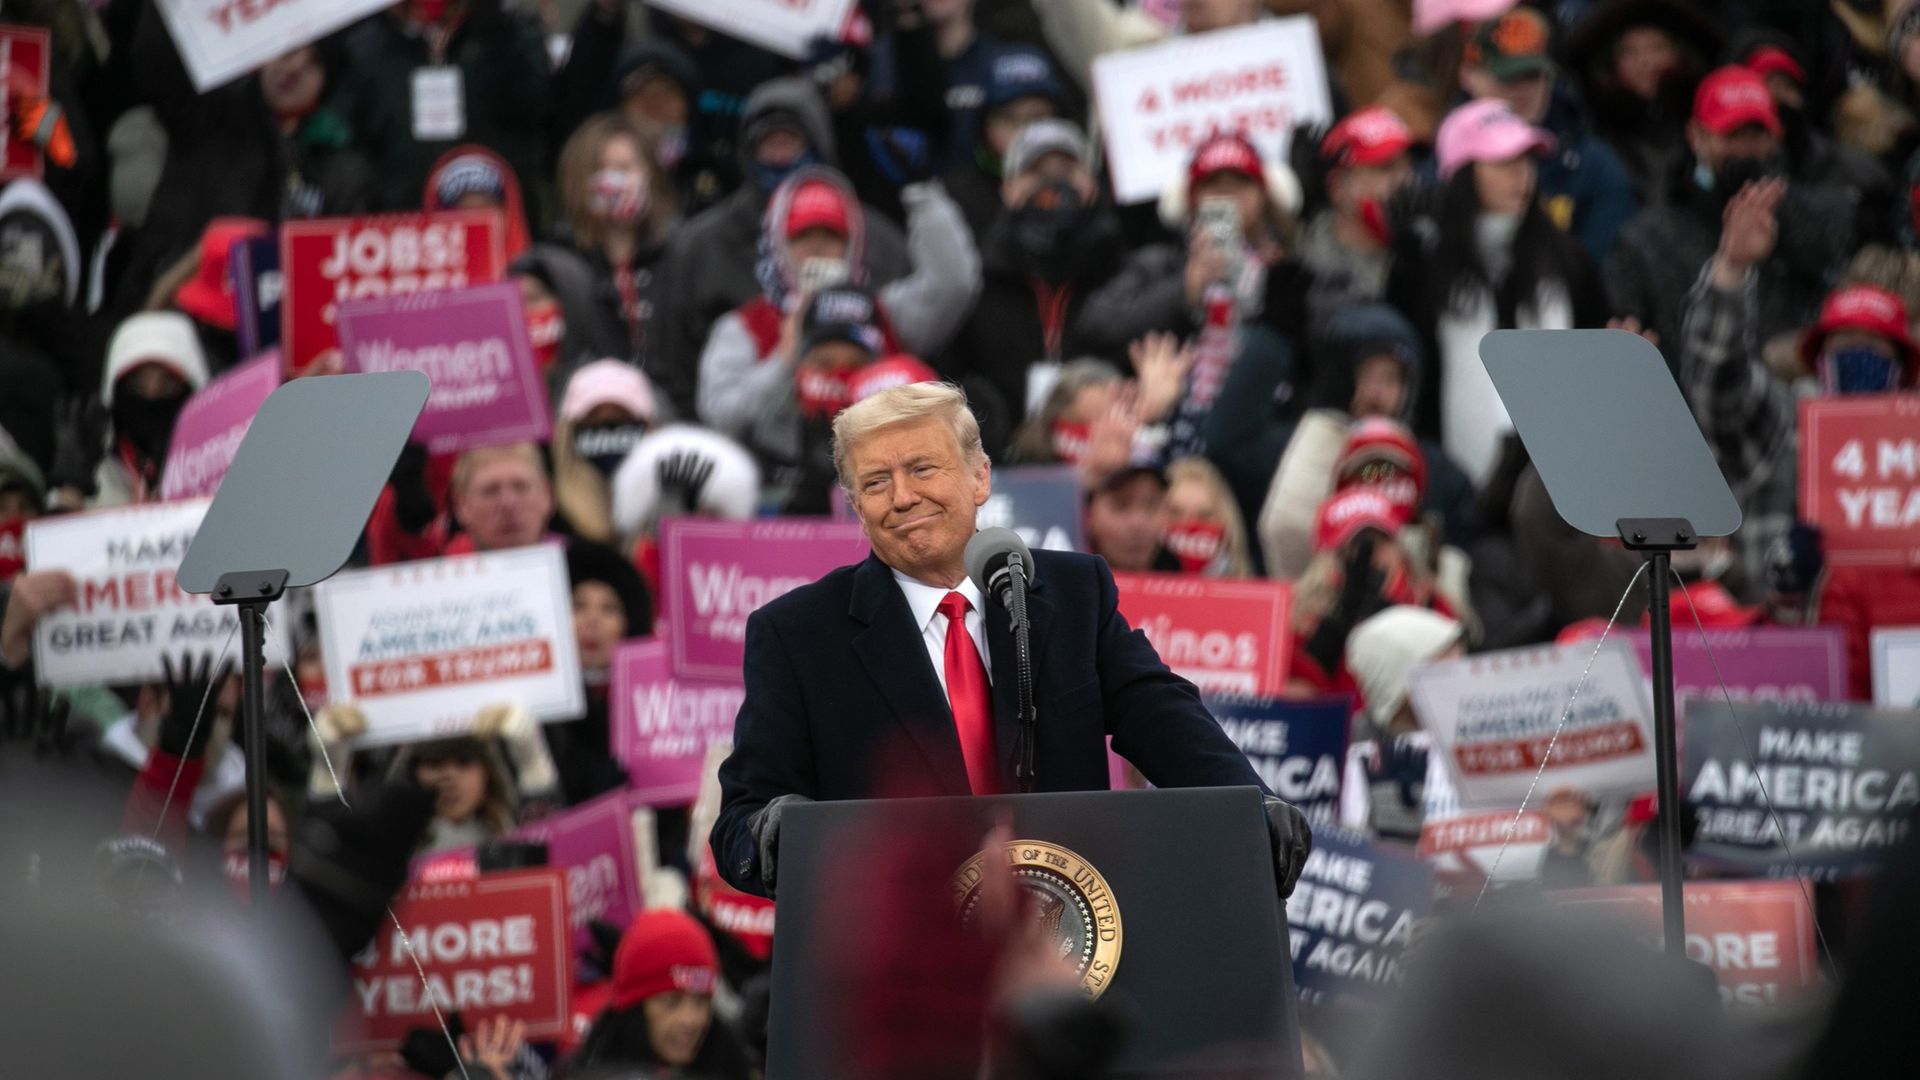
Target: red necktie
[[968, 694]]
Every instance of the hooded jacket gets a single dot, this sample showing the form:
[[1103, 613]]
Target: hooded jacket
[[163, 337], [710, 266], [471, 163], [592, 332]]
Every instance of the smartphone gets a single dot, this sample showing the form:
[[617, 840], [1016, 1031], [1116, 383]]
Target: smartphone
[[817, 274], [1219, 217]]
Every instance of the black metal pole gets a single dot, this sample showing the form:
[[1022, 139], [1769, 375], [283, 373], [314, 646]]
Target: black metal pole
[[253, 708], [1023, 674], [1666, 754]]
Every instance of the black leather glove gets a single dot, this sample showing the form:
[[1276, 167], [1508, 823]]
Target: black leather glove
[[427, 1051], [412, 503], [684, 475], [764, 827], [1292, 840], [79, 442], [1360, 596], [184, 730]]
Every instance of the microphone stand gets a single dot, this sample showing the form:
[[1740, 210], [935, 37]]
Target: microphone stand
[[1023, 673]]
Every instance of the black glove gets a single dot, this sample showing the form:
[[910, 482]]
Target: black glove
[[684, 475], [427, 1051], [1360, 596], [412, 503], [1292, 840], [764, 827], [184, 730], [79, 442]]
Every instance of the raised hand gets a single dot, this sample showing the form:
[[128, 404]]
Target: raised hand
[[683, 476], [1749, 229], [1162, 363]]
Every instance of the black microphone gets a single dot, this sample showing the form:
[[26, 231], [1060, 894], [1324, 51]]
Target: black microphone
[[987, 556]]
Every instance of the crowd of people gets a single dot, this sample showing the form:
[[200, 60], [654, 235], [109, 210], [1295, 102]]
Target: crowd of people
[[1271, 371]]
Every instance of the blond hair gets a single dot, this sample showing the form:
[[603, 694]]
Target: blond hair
[[904, 404], [580, 159], [469, 463], [1225, 507]]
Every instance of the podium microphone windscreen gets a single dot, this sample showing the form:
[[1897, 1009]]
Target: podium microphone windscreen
[[986, 559]]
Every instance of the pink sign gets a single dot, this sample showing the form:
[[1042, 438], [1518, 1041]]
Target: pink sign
[[210, 427], [472, 343], [662, 725], [716, 573], [1780, 663], [593, 843]]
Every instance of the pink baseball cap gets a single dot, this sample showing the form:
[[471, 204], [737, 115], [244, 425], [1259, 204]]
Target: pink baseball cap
[[1486, 130]]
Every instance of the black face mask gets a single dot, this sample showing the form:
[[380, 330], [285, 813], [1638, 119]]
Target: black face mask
[[606, 447], [147, 423], [1736, 173], [1044, 227]]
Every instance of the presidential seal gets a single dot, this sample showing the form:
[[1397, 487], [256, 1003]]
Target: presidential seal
[[1070, 900]]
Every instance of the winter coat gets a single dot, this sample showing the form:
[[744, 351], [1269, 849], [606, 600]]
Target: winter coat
[[1860, 598], [709, 268], [1582, 183], [594, 329]]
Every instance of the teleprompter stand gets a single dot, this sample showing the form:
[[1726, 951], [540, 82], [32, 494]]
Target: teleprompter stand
[[288, 513], [1622, 458]]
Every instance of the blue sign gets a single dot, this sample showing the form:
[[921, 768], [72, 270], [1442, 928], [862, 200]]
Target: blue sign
[[1297, 745], [254, 266], [1353, 915]]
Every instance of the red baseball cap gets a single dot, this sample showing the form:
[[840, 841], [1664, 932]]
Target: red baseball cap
[[1773, 60], [1346, 513], [1371, 136], [1230, 152], [817, 204], [1732, 97], [887, 373], [208, 295], [1862, 307]]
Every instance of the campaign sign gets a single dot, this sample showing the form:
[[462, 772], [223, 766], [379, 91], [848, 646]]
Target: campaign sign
[[1860, 477], [254, 266], [787, 27], [472, 344], [716, 573], [1896, 666], [1469, 847], [1297, 745], [1352, 915], [1494, 716], [1757, 936], [422, 646], [210, 427], [1227, 637], [23, 69], [490, 946], [221, 40], [1769, 663], [130, 611], [663, 725], [593, 843], [1841, 780], [327, 261], [1159, 102]]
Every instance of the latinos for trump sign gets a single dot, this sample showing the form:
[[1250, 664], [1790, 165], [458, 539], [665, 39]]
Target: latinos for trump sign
[[1840, 779], [326, 261], [1757, 936], [130, 611], [1896, 666], [221, 40], [490, 946], [1860, 477], [787, 27], [472, 345], [1227, 637], [663, 726], [1773, 663], [1298, 746], [23, 69], [1160, 101], [1353, 914], [1495, 717], [210, 427], [422, 646], [716, 573]]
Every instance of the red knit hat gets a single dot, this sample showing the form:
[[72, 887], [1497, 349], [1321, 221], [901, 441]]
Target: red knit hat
[[817, 204], [1226, 152], [662, 951]]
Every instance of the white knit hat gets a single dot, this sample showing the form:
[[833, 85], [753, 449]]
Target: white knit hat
[[730, 491], [166, 338], [1383, 649]]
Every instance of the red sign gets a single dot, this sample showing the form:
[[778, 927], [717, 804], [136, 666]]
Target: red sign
[[13, 552], [480, 664], [1860, 477], [23, 71], [327, 260], [1602, 742], [1757, 936], [1226, 636], [493, 945]]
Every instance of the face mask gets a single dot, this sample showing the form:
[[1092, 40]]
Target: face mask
[[238, 865], [147, 423], [1735, 173], [1196, 543], [606, 447], [617, 195], [1044, 227], [822, 393], [545, 329], [1070, 440], [768, 177], [1858, 370], [670, 147]]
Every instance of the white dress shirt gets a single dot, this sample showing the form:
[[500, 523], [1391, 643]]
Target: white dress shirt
[[924, 601]]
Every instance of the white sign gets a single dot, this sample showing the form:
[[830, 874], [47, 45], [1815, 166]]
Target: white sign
[[1896, 666], [784, 26], [1493, 717], [221, 40], [1160, 101], [130, 611], [421, 647]]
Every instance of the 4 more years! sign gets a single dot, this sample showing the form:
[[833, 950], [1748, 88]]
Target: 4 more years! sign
[[1227, 637], [490, 946], [1757, 936], [130, 610], [1860, 477]]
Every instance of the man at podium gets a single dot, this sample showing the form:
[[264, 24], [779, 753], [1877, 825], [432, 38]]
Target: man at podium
[[890, 677]]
